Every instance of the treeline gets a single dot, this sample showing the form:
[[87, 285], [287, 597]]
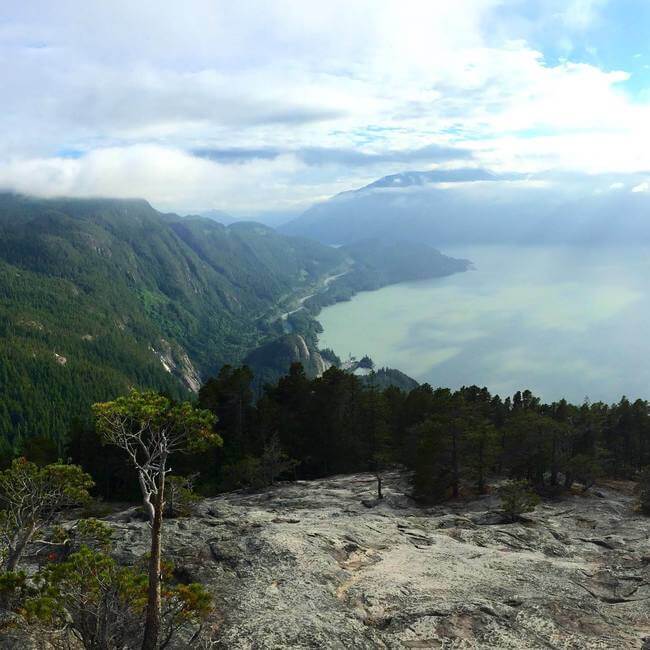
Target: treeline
[[453, 441]]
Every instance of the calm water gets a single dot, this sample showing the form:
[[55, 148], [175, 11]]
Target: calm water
[[567, 322]]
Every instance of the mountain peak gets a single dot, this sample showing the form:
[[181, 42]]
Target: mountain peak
[[419, 178]]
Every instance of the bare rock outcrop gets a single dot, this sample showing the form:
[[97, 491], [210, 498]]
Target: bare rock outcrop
[[309, 565], [176, 362]]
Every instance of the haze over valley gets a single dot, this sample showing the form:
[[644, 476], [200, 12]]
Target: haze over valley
[[563, 321]]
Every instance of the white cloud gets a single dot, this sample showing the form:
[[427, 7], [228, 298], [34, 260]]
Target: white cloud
[[137, 84], [171, 179], [642, 187]]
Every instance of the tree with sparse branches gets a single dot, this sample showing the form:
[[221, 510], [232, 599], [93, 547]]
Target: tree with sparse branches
[[30, 498], [150, 428], [181, 498], [274, 461]]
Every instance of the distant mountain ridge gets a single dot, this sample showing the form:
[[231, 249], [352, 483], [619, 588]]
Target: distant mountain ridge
[[217, 215], [272, 219], [474, 206], [418, 179]]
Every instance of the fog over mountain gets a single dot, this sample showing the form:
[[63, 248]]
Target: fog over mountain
[[473, 205]]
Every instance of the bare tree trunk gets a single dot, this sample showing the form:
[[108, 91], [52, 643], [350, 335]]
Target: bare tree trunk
[[454, 466], [480, 484], [379, 492], [554, 463], [16, 553], [152, 621], [13, 558]]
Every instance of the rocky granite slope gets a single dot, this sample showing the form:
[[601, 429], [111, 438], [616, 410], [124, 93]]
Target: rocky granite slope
[[321, 565]]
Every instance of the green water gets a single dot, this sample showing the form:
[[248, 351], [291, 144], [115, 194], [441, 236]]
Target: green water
[[570, 322]]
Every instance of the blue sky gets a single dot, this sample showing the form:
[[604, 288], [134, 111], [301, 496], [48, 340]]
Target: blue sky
[[612, 35], [257, 105]]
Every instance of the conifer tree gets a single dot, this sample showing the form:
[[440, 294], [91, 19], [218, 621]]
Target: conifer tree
[[150, 428]]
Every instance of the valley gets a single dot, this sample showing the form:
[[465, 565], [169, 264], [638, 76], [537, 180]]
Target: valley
[[323, 286], [102, 294]]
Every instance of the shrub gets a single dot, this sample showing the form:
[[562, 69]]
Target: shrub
[[516, 499], [91, 598], [91, 533], [30, 499], [180, 499]]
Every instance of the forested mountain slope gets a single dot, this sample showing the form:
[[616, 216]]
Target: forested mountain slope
[[97, 295]]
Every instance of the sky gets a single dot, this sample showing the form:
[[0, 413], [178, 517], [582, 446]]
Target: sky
[[257, 106]]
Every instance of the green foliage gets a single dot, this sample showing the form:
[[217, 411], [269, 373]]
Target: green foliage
[[480, 452], [90, 533], [39, 449], [454, 442], [100, 602], [30, 497], [146, 416], [244, 473], [229, 396], [93, 292], [431, 461], [274, 461], [366, 362], [15, 588], [114, 479], [180, 498], [98, 296], [583, 468], [270, 361], [387, 377], [516, 499], [378, 262]]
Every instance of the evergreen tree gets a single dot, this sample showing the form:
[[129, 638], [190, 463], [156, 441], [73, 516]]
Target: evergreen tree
[[149, 428]]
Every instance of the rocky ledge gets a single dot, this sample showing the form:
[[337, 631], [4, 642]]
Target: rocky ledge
[[321, 564]]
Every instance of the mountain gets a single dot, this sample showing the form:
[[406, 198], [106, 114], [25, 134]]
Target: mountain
[[389, 377], [473, 206], [419, 179], [272, 360], [272, 219], [380, 262], [98, 295], [217, 215]]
